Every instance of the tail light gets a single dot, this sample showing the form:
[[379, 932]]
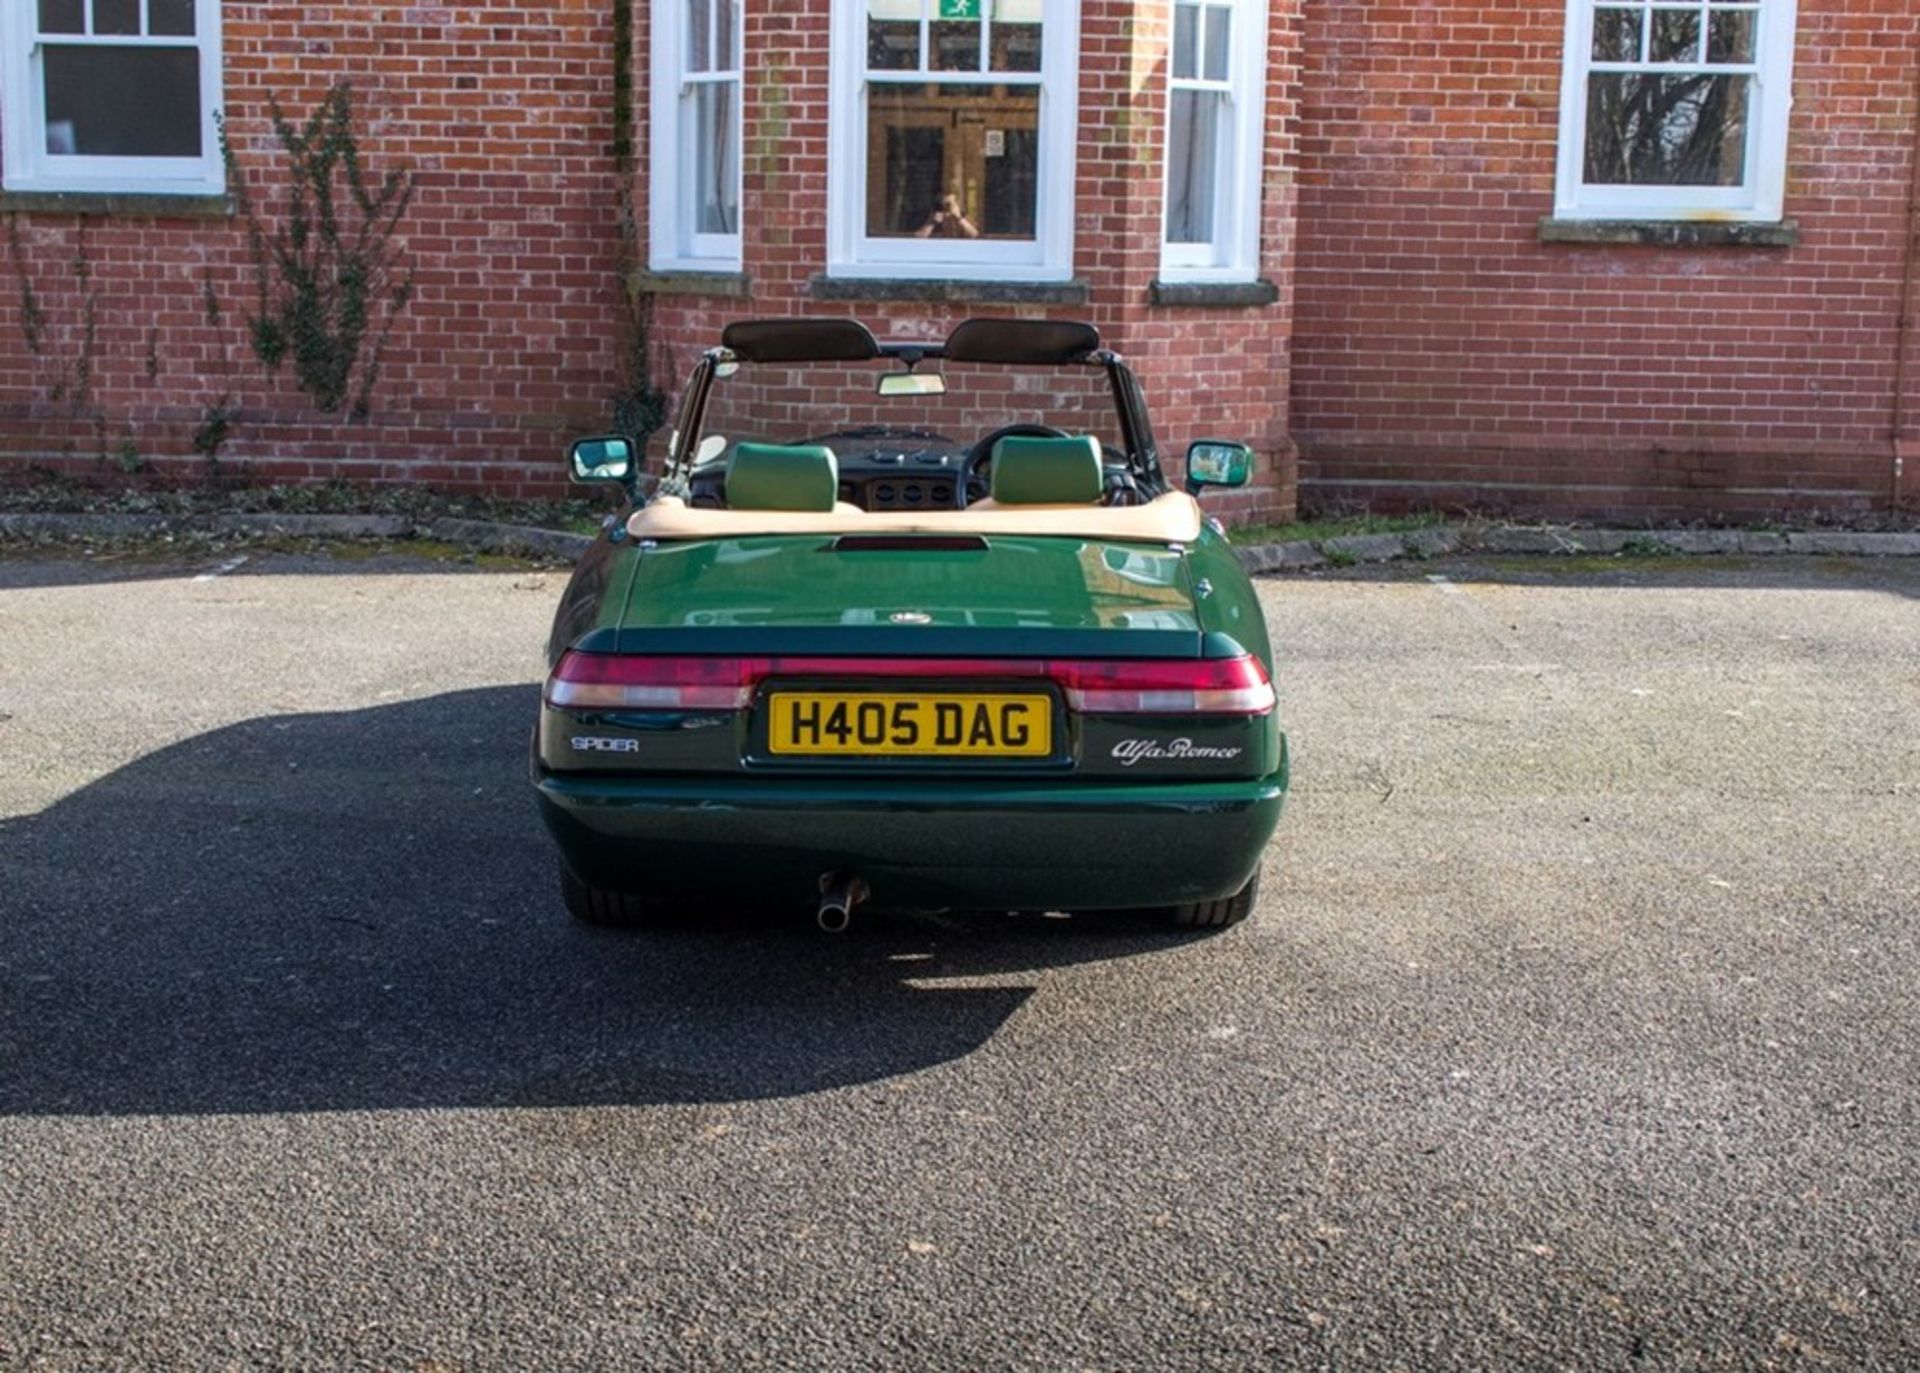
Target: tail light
[[1195, 686], [1199, 686], [606, 681]]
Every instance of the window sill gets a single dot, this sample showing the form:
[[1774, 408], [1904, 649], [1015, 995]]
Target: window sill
[[939, 289], [1216, 293], [126, 204], [1673, 233], [734, 285]]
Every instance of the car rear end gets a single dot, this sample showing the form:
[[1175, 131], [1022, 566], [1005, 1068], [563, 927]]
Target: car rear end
[[985, 726]]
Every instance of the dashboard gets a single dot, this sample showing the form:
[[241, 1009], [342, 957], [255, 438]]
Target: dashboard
[[879, 470], [904, 480]]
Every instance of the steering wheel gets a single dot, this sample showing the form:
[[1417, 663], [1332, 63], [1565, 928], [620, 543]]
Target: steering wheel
[[972, 486]]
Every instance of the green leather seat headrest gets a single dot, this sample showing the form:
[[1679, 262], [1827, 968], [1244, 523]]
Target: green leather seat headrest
[[768, 476], [1035, 471]]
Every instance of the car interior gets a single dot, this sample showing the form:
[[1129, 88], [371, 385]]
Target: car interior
[[869, 482]]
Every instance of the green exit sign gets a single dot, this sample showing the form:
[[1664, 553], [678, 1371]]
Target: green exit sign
[[959, 9]]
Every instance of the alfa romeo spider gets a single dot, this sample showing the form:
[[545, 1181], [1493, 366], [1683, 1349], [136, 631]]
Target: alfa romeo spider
[[921, 623]]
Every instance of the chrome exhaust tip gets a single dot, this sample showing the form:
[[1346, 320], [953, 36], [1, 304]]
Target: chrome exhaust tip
[[840, 892]]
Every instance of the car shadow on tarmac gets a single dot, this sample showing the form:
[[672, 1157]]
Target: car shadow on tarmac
[[359, 911]]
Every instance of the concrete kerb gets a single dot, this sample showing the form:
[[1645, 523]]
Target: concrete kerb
[[481, 535], [1552, 540], [134, 525], [489, 537]]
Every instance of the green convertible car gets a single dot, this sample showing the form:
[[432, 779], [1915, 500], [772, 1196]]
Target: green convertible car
[[917, 623]]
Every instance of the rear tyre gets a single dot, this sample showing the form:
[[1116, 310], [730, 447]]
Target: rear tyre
[[1217, 915], [615, 910]]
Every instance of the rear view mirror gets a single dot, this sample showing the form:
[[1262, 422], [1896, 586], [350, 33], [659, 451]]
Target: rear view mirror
[[1215, 462], [607, 458], [912, 384]]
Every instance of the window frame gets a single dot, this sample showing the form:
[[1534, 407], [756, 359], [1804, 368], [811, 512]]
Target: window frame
[[1048, 257], [675, 243], [1761, 198], [23, 106], [1233, 255]]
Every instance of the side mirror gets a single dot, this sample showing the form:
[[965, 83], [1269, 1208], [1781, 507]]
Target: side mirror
[[606, 458], [1215, 462]]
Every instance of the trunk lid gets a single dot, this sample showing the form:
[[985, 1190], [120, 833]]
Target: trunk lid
[[1004, 596], [990, 608]]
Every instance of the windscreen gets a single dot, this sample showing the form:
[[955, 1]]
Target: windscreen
[[802, 402]]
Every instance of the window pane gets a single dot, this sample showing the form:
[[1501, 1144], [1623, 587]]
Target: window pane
[[729, 19], [63, 16], [1016, 36], [1219, 30], [1013, 163], [892, 46], [116, 16], [170, 17], [1193, 143], [699, 36], [913, 160], [123, 102], [1730, 39], [1675, 36], [956, 45], [952, 161], [1616, 35], [715, 168], [1186, 41], [1645, 129]]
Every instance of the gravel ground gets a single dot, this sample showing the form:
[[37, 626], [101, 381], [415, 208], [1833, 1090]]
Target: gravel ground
[[1576, 1027]]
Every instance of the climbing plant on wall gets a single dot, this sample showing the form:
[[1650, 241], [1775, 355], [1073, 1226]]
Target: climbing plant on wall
[[330, 268], [63, 344]]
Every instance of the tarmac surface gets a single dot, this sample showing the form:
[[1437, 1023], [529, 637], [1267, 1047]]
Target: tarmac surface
[[1576, 1026]]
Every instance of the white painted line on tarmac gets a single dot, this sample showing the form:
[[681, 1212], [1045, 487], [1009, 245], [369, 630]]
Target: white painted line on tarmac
[[229, 565], [1518, 659]]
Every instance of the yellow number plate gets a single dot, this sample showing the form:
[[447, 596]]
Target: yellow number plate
[[969, 726]]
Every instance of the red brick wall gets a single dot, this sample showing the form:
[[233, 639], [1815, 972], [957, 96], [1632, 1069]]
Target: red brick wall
[[1215, 372], [1444, 356], [1426, 347], [505, 114]]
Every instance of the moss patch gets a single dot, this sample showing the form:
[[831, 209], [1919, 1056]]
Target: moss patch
[[1313, 531]]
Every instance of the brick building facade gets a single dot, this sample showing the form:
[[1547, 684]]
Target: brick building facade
[[1435, 254], [1445, 353]]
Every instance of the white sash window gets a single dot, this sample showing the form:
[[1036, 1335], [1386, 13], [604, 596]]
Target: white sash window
[[112, 95], [1675, 109], [1216, 102], [951, 144], [697, 64]]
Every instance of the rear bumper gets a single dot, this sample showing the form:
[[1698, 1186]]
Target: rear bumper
[[977, 843]]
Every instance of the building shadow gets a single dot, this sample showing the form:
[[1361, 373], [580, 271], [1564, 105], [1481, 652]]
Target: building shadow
[[360, 911]]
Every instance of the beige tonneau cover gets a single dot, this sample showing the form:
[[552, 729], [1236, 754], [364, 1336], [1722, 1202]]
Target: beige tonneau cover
[[1172, 518]]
